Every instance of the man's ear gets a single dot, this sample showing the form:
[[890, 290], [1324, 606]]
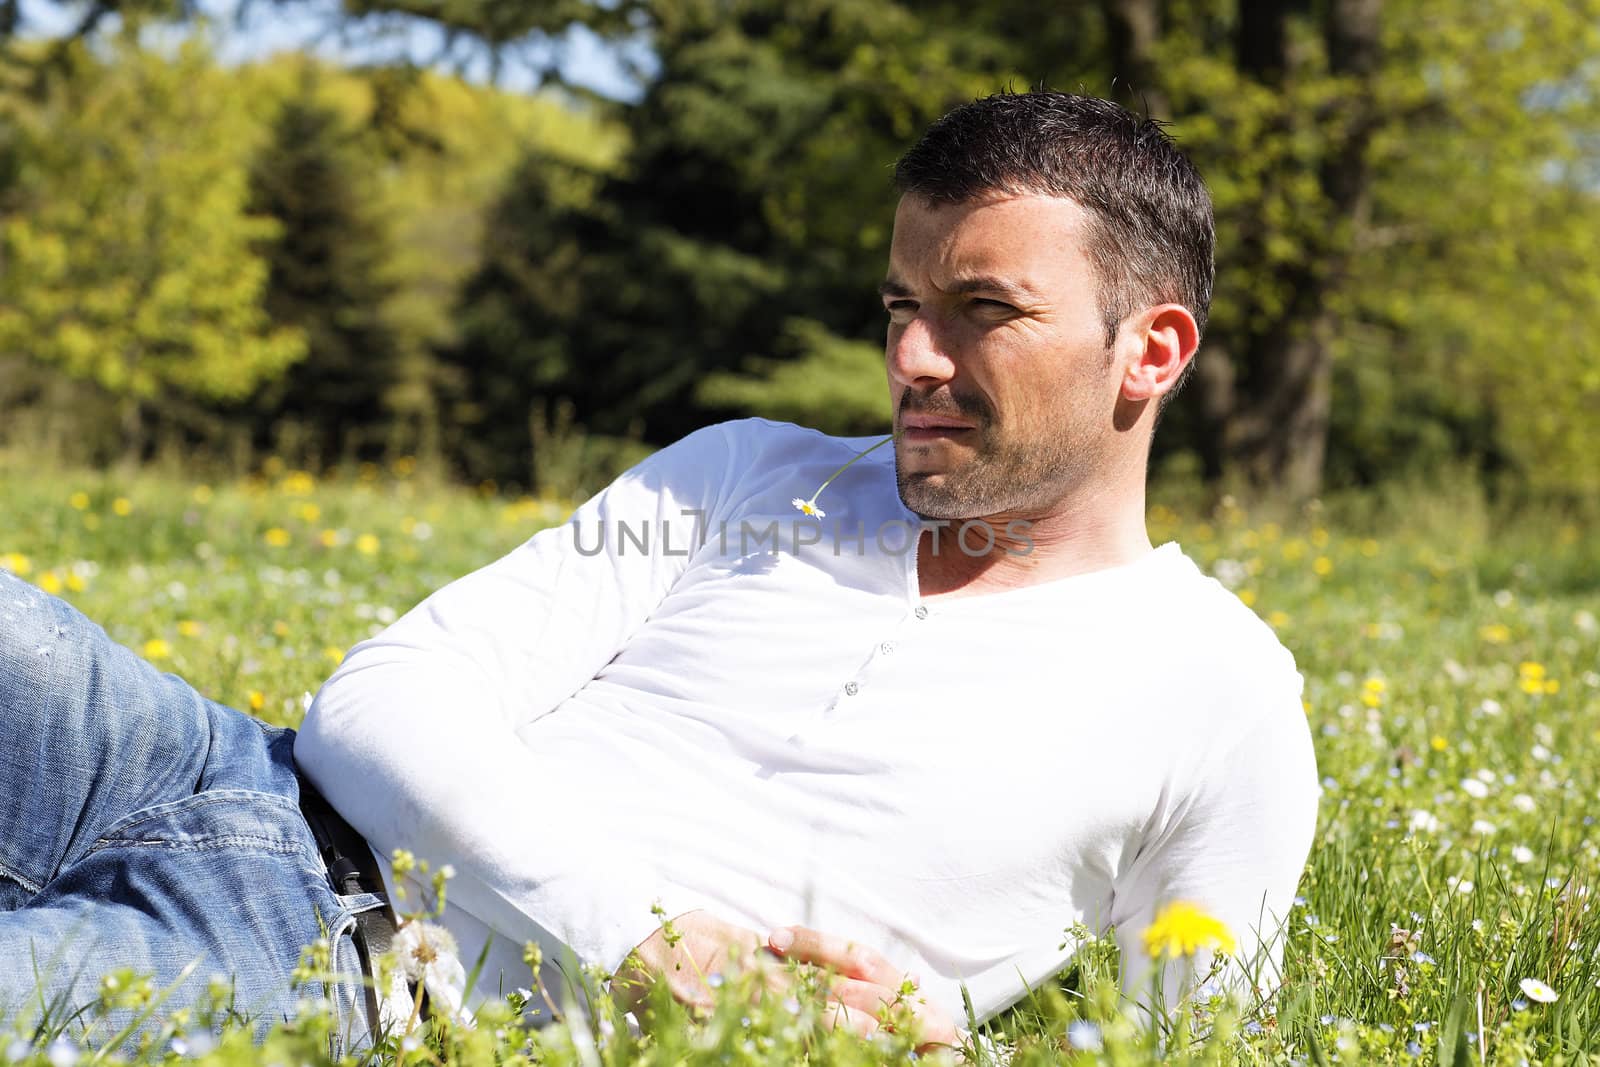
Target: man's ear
[[1165, 339]]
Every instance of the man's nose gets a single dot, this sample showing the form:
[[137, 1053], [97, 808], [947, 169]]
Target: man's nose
[[918, 356]]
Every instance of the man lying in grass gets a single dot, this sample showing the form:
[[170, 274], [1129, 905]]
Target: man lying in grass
[[951, 706]]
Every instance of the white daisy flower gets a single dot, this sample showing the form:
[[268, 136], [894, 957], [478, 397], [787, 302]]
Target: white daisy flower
[[1536, 990]]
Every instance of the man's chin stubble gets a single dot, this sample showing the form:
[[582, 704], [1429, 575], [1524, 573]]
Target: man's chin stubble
[[936, 503]]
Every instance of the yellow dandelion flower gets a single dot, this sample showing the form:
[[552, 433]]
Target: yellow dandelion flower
[[1182, 929], [1323, 566], [157, 648], [1294, 550], [1374, 685], [190, 628], [1369, 548], [309, 512], [1319, 537], [1496, 633], [280, 628], [258, 700], [1530, 669], [50, 583], [76, 583], [1247, 597], [1277, 619], [17, 564], [122, 507], [1438, 743], [297, 483], [1552, 686], [79, 500], [368, 545], [333, 654], [202, 494], [277, 537], [328, 538]]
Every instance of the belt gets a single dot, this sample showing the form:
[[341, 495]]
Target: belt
[[352, 869]]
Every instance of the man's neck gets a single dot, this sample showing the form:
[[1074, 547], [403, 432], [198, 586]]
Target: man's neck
[[1076, 537]]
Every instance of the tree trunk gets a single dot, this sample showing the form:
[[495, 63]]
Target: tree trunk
[[132, 418], [1133, 27], [1275, 431]]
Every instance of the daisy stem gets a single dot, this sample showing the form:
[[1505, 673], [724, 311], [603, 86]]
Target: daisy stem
[[848, 462]]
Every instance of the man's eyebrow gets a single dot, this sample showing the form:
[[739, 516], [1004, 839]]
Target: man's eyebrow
[[991, 284], [977, 283]]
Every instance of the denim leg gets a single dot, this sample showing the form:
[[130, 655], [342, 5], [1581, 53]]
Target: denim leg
[[144, 826], [89, 733], [222, 884]]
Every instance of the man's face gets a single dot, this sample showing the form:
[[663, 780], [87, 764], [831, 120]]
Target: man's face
[[1002, 385]]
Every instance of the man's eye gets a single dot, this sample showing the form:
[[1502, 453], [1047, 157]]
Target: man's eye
[[901, 311], [994, 307]]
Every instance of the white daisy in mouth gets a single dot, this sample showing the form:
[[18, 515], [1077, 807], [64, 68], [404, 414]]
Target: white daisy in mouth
[[809, 507]]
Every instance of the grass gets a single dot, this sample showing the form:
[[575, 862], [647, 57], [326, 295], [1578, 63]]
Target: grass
[[1452, 662]]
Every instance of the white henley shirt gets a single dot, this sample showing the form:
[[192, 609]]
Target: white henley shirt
[[789, 733]]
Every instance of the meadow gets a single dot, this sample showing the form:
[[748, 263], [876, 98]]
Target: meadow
[[1451, 651]]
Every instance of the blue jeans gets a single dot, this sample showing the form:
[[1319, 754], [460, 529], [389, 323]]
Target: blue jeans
[[144, 826]]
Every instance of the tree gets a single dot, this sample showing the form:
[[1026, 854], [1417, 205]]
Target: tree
[[747, 221], [327, 279], [129, 255]]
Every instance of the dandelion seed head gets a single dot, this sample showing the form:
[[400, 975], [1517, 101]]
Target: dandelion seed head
[[1084, 1036]]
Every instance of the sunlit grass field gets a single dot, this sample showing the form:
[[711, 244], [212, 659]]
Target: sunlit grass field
[[1452, 664]]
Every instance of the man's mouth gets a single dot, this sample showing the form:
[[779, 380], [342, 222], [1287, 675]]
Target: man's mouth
[[925, 428]]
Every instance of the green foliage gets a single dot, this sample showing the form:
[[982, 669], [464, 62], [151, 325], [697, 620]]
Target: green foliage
[[754, 191], [1406, 200], [327, 279], [818, 379], [129, 254]]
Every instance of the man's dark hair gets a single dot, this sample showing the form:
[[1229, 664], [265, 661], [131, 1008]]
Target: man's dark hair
[[1150, 236]]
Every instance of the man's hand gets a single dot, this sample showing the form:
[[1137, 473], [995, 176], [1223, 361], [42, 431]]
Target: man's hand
[[863, 983], [684, 953], [691, 948]]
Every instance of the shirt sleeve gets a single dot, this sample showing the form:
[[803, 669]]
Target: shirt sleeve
[[1235, 846], [414, 738]]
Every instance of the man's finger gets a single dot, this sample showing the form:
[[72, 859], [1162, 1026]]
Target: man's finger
[[841, 1016], [838, 954], [869, 997]]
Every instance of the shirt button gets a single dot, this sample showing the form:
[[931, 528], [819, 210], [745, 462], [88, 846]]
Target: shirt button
[[922, 611], [851, 689], [886, 648]]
